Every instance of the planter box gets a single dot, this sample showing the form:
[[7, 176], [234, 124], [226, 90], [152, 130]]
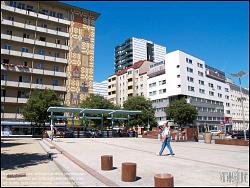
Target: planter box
[[235, 142]]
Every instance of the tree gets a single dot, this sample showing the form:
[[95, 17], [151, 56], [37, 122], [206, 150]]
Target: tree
[[147, 115], [35, 110], [97, 102], [181, 112]]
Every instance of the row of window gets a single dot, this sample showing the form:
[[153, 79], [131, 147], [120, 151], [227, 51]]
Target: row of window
[[161, 82], [191, 62], [161, 91], [26, 50], [25, 35], [25, 79], [206, 109], [209, 118], [206, 101], [31, 8]]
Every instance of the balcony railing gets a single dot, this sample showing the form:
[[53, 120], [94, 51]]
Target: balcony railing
[[35, 56], [34, 14], [14, 100], [34, 28], [11, 116]]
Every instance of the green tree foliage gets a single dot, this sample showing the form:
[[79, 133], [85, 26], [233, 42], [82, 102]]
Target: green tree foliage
[[181, 112], [147, 115], [35, 110], [97, 102]]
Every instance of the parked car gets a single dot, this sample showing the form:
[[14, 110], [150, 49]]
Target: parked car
[[240, 135]]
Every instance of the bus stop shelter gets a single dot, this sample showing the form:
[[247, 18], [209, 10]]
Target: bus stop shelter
[[82, 112]]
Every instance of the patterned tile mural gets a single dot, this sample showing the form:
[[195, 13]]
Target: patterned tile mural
[[81, 57]]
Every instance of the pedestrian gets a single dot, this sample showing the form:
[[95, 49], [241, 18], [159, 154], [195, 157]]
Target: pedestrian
[[166, 140]]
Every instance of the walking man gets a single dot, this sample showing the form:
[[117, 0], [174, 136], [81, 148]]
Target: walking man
[[166, 140]]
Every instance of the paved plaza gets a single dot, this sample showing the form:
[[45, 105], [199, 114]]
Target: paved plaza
[[194, 164]]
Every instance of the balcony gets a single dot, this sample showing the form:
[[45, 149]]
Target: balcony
[[34, 28], [9, 99], [34, 14], [42, 86], [11, 116], [9, 83], [35, 56]]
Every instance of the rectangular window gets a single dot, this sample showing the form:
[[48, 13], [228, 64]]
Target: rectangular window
[[201, 82], [12, 3], [29, 8], [55, 82], [211, 93], [11, 18], [56, 68], [7, 47], [200, 73], [218, 87], [4, 77], [190, 79], [219, 95], [43, 39], [41, 52], [226, 90], [9, 32], [24, 49], [189, 61], [26, 36], [190, 88], [189, 70], [226, 97], [202, 91], [211, 85], [200, 65], [57, 54]]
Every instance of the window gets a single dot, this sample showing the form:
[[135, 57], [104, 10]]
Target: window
[[44, 25], [190, 88], [52, 13], [24, 49], [3, 93], [219, 95], [43, 39], [200, 65], [218, 87], [226, 90], [11, 18], [39, 66], [200, 73], [26, 36], [58, 28], [190, 79], [60, 15], [4, 77], [178, 76], [178, 86], [152, 84], [55, 82], [39, 81], [201, 82], [177, 66], [7, 46], [202, 91], [56, 68], [41, 52], [211, 93], [25, 63], [226, 97], [162, 91], [21, 6], [189, 70], [189, 61], [12, 3], [57, 54], [5, 61], [211, 85], [228, 111], [130, 72], [57, 41], [29, 8], [9, 32]]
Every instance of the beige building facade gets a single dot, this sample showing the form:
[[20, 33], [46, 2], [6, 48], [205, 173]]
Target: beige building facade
[[131, 81], [45, 45]]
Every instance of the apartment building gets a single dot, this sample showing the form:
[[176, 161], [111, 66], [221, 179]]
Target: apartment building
[[183, 75], [45, 45], [236, 106], [101, 88], [131, 81], [134, 50]]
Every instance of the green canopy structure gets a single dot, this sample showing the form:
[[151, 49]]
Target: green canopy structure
[[83, 111]]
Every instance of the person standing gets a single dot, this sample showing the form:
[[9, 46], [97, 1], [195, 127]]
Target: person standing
[[166, 138]]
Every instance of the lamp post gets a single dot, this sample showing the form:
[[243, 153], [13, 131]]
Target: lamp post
[[239, 75]]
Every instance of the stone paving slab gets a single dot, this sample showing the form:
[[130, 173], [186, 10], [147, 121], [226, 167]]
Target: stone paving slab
[[24, 156], [195, 164]]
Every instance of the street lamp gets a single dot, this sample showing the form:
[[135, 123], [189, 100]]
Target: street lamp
[[239, 75]]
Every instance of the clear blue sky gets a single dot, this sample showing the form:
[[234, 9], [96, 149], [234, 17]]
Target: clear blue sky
[[216, 32]]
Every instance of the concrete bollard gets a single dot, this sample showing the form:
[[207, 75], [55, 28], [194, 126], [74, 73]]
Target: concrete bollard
[[106, 162], [164, 180], [128, 172]]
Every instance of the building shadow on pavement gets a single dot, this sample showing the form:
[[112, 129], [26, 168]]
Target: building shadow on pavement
[[10, 144], [21, 160]]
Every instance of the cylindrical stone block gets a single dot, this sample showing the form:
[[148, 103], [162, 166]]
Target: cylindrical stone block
[[128, 172], [107, 162], [164, 180]]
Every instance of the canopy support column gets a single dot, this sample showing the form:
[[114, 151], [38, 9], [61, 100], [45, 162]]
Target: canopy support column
[[102, 121]]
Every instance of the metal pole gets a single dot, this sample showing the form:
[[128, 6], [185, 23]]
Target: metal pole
[[148, 123], [241, 100]]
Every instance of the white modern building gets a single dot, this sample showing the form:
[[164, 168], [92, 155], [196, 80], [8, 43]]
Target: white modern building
[[101, 88], [183, 75], [236, 106], [131, 81], [134, 50]]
